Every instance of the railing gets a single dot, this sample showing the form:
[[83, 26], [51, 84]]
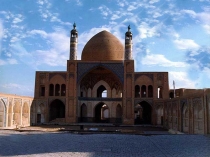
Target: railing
[[99, 99]]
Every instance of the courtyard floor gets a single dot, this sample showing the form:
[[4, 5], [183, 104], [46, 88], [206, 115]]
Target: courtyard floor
[[36, 143]]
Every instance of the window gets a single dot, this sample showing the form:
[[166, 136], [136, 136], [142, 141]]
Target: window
[[137, 91], [159, 92], [57, 90], [63, 90], [143, 91], [150, 91], [101, 92], [51, 90], [42, 91]]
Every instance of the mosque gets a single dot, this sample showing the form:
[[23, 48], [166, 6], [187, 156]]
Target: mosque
[[103, 87]]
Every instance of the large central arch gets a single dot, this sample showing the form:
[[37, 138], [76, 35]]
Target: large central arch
[[101, 113], [143, 113], [57, 109]]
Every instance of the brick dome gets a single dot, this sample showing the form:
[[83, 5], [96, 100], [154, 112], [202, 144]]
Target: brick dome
[[103, 47]]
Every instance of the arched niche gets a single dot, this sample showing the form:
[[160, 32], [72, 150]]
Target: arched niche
[[119, 114], [83, 113], [57, 109], [137, 91], [2, 113], [101, 83], [143, 80], [102, 113], [143, 113], [25, 114], [159, 112], [57, 79]]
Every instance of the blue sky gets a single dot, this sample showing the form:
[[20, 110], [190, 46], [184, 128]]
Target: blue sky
[[168, 35]]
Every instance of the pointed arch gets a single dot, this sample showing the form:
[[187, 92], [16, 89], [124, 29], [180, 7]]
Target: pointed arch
[[25, 114], [101, 92], [57, 109], [105, 85], [51, 90], [83, 113], [150, 91], [2, 113], [143, 91], [137, 91], [57, 90], [101, 113], [17, 113], [118, 114], [63, 90], [143, 113]]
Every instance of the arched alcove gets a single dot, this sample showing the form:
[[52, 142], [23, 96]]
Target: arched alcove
[[159, 112], [150, 91], [101, 86], [83, 113], [118, 114], [63, 90], [57, 109], [17, 113], [25, 114], [101, 113], [143, 91], [137, 91], [101, 92], [143, 113], [51, 90], [57, 90], [2, 113]]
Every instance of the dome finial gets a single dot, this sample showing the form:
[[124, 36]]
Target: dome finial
[[129, 27], [74, 25]]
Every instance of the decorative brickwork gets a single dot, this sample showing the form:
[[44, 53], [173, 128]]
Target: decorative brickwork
[[139, 75], [84, 68]]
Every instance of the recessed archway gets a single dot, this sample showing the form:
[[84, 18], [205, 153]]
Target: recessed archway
[[143, 112], [2, 114], [101, 113], [57, 109], [83, 113], [118, 114], [101, 92]]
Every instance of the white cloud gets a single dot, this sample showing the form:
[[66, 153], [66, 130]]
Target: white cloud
[[146, 31], [12, 61], [122, 3], [12, 88], [58, 51], [153, 1], [203, 17], [186, 44], [160, 60], [17, 20], [1, 34], [181, 80], [40, 32], [105, 11], [47, 14], [132, 7], [79, 3], [207, 28], [115, 16], [8, 61]]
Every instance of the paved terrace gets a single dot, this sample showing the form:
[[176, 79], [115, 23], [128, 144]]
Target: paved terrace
[[41, 143]]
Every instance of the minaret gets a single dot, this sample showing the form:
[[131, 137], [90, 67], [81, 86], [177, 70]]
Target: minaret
[[73, 43], [128, 44]]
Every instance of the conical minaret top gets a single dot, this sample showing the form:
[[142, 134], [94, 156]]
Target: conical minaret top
[[128, 44], [73, 43]]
